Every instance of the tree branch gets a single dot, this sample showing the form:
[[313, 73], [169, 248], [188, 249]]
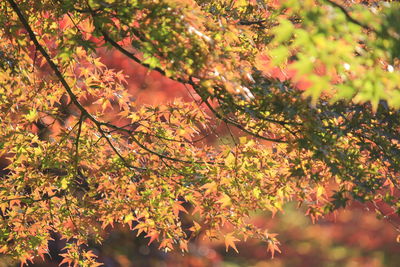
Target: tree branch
[[348, 16], [61, 78]]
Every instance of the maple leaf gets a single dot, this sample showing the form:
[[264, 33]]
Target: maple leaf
[[153, 236], [211, 187], [272, 247], [42, 251], [273, 243], [176, 207], [197, 209], [66, 260], [89, 254], [129, 219], [32, 116], [195, 228], [166, 244], [225, 201], [230, 160], [140, 227], [230, 242], [183, 245], [3, 249], [98, 63]]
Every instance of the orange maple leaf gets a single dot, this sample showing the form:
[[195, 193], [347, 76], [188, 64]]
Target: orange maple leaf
[[153, 236], [183, 245], [272, 247], [230, 242], [176, 207]]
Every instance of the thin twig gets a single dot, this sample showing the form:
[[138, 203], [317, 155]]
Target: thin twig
[[349, 17]]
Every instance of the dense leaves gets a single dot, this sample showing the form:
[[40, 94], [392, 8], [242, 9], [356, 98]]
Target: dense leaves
[[307, 89]]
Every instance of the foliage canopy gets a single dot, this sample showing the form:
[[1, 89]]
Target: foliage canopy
[[312, 86]]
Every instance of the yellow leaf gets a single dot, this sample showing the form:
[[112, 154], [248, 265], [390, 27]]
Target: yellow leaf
[[64, 183], [32, 116], [128, 219], [97, 63], [256, 192], [243, 140], [210, 188], [89, 254], [320, 191], [195, 228], [225, 201], [230, 160]]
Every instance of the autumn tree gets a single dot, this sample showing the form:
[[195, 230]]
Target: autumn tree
[[309, 91]]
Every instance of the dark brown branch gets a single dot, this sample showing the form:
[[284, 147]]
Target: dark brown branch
[[48, 58], [78, 135], [61, 78], [234, 123], [190, 82], [266, 24], [32, 200], [348, 16], [132, 56], [74, 99], [249, 23], [241, 127], [148, 149]]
